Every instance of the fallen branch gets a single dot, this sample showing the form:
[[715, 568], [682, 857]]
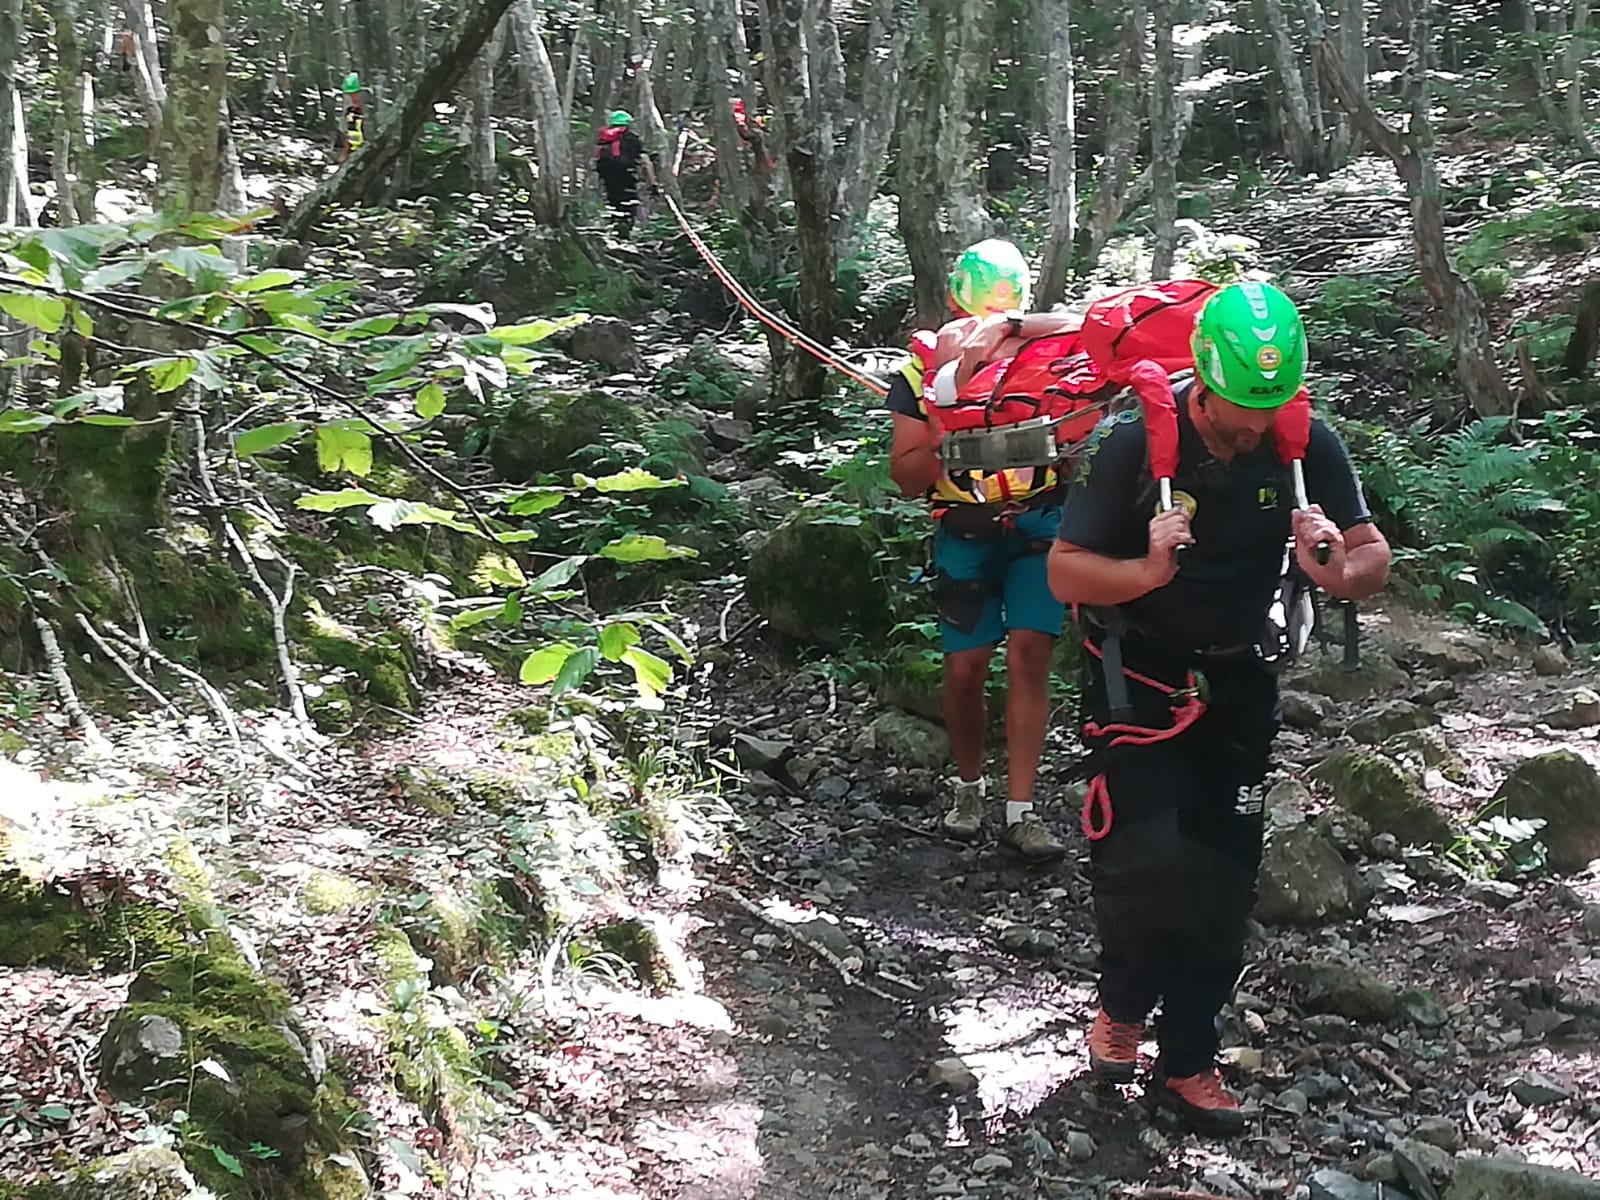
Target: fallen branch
[[56, 664], [277, 605], [1387, 1072], [123, 665], [210, 694], [850, 978]]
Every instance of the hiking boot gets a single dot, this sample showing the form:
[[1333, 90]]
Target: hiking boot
[[1114, 1048], [965, 817], [1200, 1101], [1032, 839]]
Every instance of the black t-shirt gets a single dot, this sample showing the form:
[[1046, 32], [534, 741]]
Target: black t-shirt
[[903, 398], [1240, 517], [621, 154]]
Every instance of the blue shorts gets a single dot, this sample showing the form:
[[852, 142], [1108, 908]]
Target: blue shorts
[[987, 587]]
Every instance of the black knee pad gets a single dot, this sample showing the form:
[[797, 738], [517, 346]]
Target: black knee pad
[[961, 601]]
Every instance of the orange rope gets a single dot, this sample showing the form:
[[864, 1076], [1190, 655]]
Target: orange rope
[[758, 310]]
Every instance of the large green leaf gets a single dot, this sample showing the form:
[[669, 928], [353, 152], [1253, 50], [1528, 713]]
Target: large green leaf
[[334, 501], [170, 374], [558, 575], [266, 281], [635, 479], [578, 667], [477, 616], [204, 267], [20, 420], [430, 401], [615, 639], [498, 571], [641, 547], [391, 514], [537, 500], [267, 437], [114, 275], [541, 666], [530, 332], [31, 308], [650, 674], [341, 446]]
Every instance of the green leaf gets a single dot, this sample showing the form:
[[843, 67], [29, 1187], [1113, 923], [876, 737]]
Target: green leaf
[[334, 501], [81, 322], [104, 278], [578, 667], [635, 479], [42, 312], [650, 674], [498, 571], [267, 437], [430, 401], [640, 547], [535, 331], [615, 639], [109, 420], [54, 1112], [674, 642], [477, 616], [515, 537], [227, 1162], [537, 500], [203, 267], [541, 666], [339, 446], [558, 575], [367, 327], [391, 514], [20, 420], [170, 374], [268, 280]]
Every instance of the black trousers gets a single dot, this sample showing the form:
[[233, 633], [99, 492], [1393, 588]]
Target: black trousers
[[622, 187], [1174, 880]]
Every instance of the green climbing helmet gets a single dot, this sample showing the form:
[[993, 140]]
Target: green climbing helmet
[[991, 277], [621, 118], [352, 84], [1250, 346]]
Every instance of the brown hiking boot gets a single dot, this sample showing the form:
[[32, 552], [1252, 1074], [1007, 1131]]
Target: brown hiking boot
[[1114, 1048], [1201, 1101], [1032, 840]]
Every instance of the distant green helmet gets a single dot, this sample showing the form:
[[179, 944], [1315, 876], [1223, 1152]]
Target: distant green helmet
[[352, 84], [1250, 346], [621, 118], [991, 277]]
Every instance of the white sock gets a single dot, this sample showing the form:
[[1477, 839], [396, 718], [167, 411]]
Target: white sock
[[1017, 809]]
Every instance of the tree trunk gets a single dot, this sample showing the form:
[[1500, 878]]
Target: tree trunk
[[12, 129], [232, 198], [74, 160], [545, 104], [1301, 125], [1412, 154], [1577, 116], [657, 140], [714, 18], [1055, 19], [147, 78], [191, 129], [375, 54], [880, 89], [1123, 121], [1164, 141], [811, 183], [404, 122], [480, 114], [1585, 339], [825, 65]]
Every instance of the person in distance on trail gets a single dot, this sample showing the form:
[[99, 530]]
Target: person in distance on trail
[[1181, 734], [618, 156], [988, 550], [353, 136]]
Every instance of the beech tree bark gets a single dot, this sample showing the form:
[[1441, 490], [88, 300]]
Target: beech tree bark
[[192, 129], [1124, 120], [1164, 143], [12, 130], [363, 169], [714, 19], [147, 79], [1482, 382], [74, 140], [545, 103], [1302, 124], [1062, 126], [868, 148], [480, 113], [812, 185]]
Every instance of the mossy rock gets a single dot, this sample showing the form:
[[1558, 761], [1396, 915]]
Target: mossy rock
[[915, 684], [464, 924], [435, 792], [1377, 675], [1563, 791], [146, 1173], [1428, 749], [383, 662], [329, 894], [541, 434], [818, 581], [270, 1085], [1385, 795], [45, 925]]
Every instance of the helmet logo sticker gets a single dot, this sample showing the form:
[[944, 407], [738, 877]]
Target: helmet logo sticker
[[1269, 358]]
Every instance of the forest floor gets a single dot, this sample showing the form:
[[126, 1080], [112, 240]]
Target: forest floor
[[827, 998]]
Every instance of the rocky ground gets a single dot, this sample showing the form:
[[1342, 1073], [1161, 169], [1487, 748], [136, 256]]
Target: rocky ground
[[833, 999]]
